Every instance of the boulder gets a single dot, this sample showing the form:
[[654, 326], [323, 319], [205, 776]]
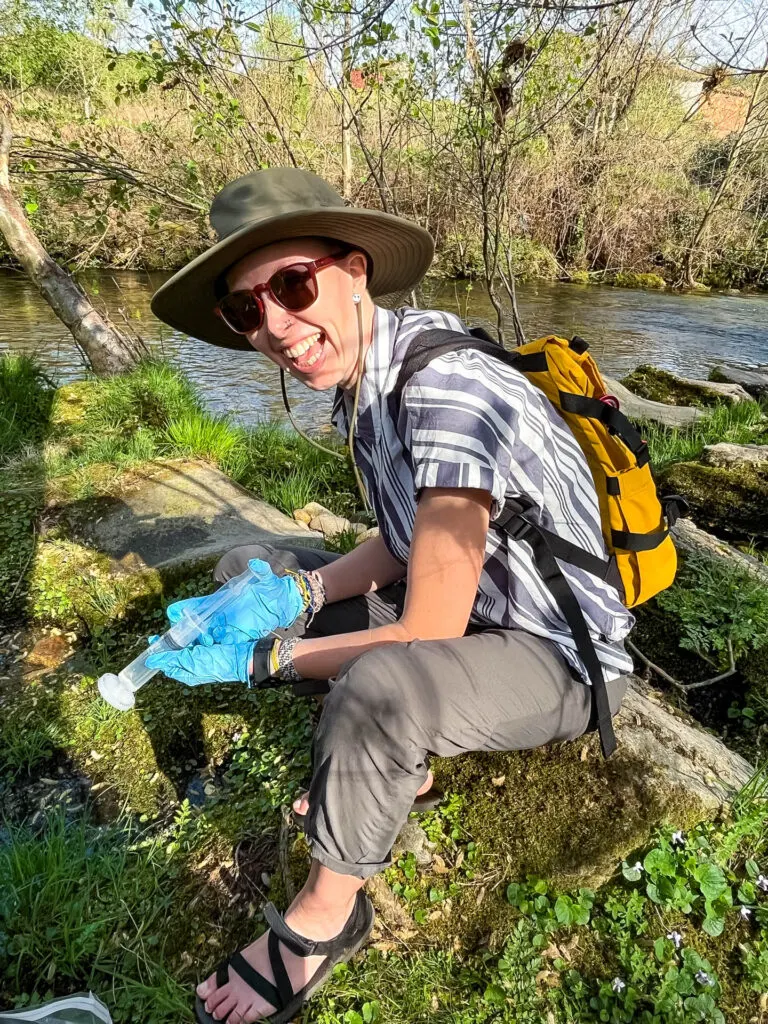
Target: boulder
[[724, 454], [652, 412], [177, 513], [731, 500], [753, 381], [663, 386], [367, 535]]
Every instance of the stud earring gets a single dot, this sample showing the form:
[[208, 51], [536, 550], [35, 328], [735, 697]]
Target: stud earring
[[355, 298]]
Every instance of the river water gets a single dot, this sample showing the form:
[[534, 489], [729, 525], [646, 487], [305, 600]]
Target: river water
[[685, 333]]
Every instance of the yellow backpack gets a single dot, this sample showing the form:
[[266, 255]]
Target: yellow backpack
[[642, 559]]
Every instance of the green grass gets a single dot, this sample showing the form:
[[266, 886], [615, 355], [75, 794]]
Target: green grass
[[84, 908], [26, 395], [742, 423]]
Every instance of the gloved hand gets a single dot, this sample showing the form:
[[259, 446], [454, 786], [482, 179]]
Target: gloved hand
[[215, 663], [269, 602]]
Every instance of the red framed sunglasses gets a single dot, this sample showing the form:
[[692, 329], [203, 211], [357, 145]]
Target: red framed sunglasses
[[293, 287]]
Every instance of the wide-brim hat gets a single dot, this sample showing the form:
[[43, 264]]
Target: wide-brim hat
[[270, 206]]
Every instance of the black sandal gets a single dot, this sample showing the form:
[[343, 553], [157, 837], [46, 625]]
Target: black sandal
[[287, 1003]]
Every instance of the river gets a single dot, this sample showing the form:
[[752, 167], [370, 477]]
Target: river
[[685, 333]]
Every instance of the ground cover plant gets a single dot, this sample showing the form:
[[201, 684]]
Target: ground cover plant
[[136, 849]]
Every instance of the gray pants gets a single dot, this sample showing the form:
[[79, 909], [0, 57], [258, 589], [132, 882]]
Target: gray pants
[[392, 706]]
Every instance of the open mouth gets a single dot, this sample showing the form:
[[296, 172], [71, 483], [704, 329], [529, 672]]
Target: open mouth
[[304, 354]]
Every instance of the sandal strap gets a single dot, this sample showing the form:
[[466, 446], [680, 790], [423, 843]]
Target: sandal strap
[[284, 986], [289, 938], [258, 982]]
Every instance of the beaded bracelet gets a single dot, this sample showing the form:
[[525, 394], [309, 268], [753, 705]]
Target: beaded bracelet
[[281, 660]]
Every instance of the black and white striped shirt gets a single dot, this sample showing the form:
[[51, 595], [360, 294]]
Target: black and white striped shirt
[[469, 420]]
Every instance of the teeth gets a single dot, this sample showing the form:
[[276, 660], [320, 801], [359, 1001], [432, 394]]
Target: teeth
[[302, 347]]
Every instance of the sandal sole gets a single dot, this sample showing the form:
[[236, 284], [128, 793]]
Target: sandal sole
[[290, 1011]]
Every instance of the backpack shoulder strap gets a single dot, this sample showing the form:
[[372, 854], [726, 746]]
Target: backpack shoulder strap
[[436, 342]]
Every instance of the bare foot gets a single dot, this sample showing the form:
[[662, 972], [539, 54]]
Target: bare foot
[[238, 999], [301, 805]]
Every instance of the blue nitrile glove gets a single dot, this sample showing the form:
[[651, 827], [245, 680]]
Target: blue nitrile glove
[[215, 663], [270, 602]]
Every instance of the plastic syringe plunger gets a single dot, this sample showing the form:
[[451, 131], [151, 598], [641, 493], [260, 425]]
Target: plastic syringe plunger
[[120, 690]]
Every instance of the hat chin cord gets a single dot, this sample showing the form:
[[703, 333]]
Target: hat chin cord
[[351, 435]]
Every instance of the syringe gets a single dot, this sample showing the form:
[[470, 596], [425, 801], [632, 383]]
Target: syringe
[[120, 690]]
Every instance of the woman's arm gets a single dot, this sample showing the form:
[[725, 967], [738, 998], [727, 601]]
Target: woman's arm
[[446, 560], [367, 567]]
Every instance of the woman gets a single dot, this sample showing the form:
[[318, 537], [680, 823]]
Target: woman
[[437, 637]]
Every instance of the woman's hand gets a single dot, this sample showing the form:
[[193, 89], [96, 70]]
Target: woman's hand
[[199, 664], [270, 602]]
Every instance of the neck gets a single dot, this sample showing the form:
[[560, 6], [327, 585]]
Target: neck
[[364, 316]]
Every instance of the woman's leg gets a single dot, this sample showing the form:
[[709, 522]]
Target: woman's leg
[[392, 706]]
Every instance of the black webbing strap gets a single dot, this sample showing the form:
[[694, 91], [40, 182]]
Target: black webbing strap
[[612, 418], [557, 584], [431, 344], [626, 541], [603, 568]]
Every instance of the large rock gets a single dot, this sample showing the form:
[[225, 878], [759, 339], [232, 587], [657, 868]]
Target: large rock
[[753, 381], [652, 412], [730, 500], [724, 454], [183, 512], [663, 386]]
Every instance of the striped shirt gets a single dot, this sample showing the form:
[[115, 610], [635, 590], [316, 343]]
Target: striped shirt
[[469, 420]]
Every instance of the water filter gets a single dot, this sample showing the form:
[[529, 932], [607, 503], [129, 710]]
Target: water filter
[[120, 690]]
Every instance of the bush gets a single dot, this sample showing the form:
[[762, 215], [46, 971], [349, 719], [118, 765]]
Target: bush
[[461, 256]]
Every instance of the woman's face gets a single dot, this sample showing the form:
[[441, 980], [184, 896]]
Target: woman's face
[[329, 326]]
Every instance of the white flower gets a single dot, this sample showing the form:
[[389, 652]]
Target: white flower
[[637, 866], [618, 985], [703, 978], [762, 883], [678, 839], [746, 913], [675, 937]]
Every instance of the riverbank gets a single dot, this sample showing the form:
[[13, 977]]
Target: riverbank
[[140, 846]]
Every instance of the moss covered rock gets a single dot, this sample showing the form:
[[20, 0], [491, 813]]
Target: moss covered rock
[[632, 279], [662, 386], [731, 501]]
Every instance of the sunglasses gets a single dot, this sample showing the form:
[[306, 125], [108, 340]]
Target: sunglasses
[[293, 287]]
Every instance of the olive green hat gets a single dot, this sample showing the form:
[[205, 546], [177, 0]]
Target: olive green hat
[[269, 206]]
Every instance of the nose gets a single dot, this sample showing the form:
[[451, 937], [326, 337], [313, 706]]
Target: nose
[[277, 319]]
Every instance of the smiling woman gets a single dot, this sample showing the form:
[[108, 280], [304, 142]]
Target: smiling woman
[[439, 636]]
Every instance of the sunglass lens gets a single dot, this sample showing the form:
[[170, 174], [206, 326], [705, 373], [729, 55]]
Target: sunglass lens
[[294, 286], [242, 311]]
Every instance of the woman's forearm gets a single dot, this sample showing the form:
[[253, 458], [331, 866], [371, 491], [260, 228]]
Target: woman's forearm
[[323, 657], [367, 567]]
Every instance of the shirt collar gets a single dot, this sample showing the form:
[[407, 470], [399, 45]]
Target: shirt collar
[[378, 364]]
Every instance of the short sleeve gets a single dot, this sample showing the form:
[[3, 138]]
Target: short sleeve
[[459, 428]]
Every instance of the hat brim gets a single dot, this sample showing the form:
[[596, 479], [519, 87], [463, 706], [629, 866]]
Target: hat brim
[[401, 253]]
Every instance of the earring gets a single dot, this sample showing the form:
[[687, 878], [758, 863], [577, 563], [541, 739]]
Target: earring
[[355, 298]]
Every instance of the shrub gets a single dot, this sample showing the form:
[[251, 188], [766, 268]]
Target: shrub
[[26, 397]]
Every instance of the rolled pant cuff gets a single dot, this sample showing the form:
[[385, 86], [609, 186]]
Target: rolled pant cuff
[[342, 867]]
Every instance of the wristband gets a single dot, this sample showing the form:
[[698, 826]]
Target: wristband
[[312, 590], [282, 655]]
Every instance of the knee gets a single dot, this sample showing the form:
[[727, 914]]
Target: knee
[[236, 560], [370, 692]]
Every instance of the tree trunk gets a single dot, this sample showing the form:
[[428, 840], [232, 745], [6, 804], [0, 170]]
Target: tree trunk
[[687, 277], [106, 350]]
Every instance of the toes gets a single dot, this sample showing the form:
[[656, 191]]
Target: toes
[[216, 997], [301, 805], [227, 1005], [207, 986]]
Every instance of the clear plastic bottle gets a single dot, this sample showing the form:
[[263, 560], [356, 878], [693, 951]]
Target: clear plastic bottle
[[120, 690]]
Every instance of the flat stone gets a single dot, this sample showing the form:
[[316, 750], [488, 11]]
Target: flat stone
[[49, 652], [636, 408], [330, 525], [753, 381], [413, 839], [186, 512], [724, 454]]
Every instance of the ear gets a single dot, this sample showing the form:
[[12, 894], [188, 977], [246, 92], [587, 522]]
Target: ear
[[357, 265]]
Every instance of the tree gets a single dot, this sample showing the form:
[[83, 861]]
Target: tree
[[106, 349]]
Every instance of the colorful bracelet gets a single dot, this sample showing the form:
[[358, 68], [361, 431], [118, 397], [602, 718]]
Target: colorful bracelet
[[311, 588], [281, 660]]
